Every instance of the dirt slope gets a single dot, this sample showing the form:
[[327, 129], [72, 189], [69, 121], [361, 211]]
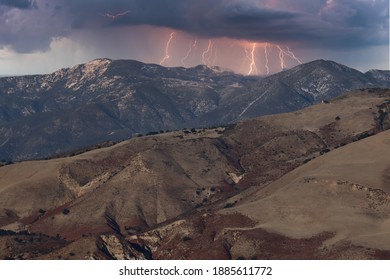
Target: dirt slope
[[335, 207], [346, 192]]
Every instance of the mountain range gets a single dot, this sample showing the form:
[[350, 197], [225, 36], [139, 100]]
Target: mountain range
[[105, 100]]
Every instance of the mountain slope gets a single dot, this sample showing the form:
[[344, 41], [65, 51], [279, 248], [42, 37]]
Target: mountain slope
[[304, 85], [335, 207], [345, 192], [195, 185], [104, 100]]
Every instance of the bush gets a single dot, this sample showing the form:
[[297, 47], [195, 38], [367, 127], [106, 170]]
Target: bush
[[229, 205], [186, 238], [324, 151], [364, 135], [152, 133]]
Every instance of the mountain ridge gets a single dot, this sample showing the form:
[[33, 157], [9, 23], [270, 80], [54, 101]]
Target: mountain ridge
[[110, 100]]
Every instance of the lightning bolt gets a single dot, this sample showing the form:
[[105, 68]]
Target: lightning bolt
[[167, 49], [287, 52], [269, 51], [190, 48], [209, 48], [252, 66], [115, 16], [212, 49], [292, 55], [266, 58], [281, 58]]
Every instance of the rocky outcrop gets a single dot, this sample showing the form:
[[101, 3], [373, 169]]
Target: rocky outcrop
[[115, 247]]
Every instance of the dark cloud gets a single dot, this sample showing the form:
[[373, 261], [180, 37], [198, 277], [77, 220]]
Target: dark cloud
[[361, 14], [32, 28], [319, 23], [20, 4]]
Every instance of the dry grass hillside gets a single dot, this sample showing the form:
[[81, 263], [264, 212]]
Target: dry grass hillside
[[335, 207], [308, 184]]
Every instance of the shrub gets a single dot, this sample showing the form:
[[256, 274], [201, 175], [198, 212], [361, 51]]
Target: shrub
[[152, 133], [229, 205], [186, 238], [364, 135], [324, 151]]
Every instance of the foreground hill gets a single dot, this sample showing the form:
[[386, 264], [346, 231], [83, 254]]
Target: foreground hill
[[335, 207], [105, 100], [306, 184]]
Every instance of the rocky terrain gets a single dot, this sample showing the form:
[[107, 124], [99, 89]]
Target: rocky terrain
[[311, 184], [105, 100]]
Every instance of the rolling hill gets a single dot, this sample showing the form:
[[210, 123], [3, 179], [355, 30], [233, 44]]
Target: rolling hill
[[309, 184]]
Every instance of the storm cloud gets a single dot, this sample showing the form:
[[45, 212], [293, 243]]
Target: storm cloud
[[326, 24], [329, 24], [65, 32]]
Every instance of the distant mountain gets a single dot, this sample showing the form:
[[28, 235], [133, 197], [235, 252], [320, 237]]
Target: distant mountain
[[106, 100], [380, 77], [293, 89]]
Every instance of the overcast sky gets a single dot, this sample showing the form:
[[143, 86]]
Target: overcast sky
[[247, 36]]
